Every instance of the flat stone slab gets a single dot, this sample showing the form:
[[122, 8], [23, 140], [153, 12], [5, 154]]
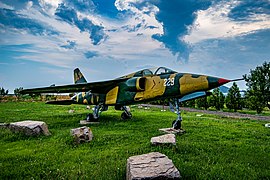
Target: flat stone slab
[[151, 166], [71, 111], [30, 128], [84, 122], [171, 131], [164, 139], [82, 134], [4, 125]]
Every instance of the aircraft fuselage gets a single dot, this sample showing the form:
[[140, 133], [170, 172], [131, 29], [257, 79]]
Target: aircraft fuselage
[[149, 88]]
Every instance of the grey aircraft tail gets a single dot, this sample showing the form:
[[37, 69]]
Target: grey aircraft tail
[[78, 77]]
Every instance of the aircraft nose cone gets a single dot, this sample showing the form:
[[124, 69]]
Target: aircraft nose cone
[[222, 81], [215, 82]]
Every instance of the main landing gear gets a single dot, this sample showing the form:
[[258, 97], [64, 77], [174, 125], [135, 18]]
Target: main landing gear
[[126, 114], [176, 124], [98, 109]]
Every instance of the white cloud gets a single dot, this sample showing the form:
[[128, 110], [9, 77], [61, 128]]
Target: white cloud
[[29, 4], [120, 44], [146, 15], [5, 6], [215, 23], [49, 6]]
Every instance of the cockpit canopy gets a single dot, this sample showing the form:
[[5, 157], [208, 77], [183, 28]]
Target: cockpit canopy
[[151, 72], [162, 70]]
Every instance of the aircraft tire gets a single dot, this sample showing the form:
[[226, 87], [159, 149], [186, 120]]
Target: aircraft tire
[[178, 125], [89, 117], [124, 116]]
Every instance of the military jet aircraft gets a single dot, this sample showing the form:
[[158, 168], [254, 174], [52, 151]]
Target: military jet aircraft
[[139, 87]]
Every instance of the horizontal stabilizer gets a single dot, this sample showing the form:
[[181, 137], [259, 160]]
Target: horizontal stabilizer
[[62, 102], [194, 95]]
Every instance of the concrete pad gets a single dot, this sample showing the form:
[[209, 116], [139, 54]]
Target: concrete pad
[[84, 122], [172, 131]]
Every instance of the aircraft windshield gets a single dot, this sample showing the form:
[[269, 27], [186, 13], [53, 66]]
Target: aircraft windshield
[[150, 72], [162, 70]]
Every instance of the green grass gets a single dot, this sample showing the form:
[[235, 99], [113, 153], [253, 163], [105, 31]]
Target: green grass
[[213, 147]]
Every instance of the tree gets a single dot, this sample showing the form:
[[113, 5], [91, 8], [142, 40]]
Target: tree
[[221, 100], [233, 99], [258, 83], [202, 102], [3, 92], [217, 99], [254, 102], [189, 103], [17, 92]]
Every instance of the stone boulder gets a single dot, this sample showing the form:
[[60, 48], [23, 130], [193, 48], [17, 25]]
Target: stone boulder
[[71, 111], [82, 134], [151, 166], [164, 139], [30, 128]]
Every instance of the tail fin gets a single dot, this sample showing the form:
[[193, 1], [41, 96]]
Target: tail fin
[[78, 77]]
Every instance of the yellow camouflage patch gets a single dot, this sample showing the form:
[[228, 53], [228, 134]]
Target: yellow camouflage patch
[[111, 96], [189, 84], [153, 87], [85, 101]]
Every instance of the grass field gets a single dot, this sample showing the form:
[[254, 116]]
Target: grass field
[[212, 148]]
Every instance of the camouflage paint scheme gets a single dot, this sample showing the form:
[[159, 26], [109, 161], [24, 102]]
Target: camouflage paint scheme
[[142, 86]]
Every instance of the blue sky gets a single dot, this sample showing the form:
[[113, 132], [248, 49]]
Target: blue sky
[[42, 41]]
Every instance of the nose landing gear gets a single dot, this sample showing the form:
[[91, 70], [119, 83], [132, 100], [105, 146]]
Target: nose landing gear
[[176, 124]]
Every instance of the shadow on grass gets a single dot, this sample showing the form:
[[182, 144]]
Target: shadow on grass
[[9, 136], [73, 120]]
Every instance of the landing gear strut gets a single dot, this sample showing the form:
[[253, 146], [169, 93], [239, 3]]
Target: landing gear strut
[[98, 109], [176, 124], [126, 114]]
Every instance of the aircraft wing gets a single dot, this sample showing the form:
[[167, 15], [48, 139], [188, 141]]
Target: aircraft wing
[[94, 87]]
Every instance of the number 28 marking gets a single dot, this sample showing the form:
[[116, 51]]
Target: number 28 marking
[[168, 82]]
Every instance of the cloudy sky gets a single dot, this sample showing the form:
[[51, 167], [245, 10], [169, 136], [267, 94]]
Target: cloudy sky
[[42, 41]]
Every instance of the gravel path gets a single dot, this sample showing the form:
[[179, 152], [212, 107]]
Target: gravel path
[[220, 113]]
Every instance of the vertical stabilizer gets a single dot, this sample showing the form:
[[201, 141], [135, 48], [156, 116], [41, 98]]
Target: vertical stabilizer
[[78, 77]]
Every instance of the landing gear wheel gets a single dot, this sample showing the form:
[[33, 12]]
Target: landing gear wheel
[[125, 116], [177, 126], [90, 118]]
